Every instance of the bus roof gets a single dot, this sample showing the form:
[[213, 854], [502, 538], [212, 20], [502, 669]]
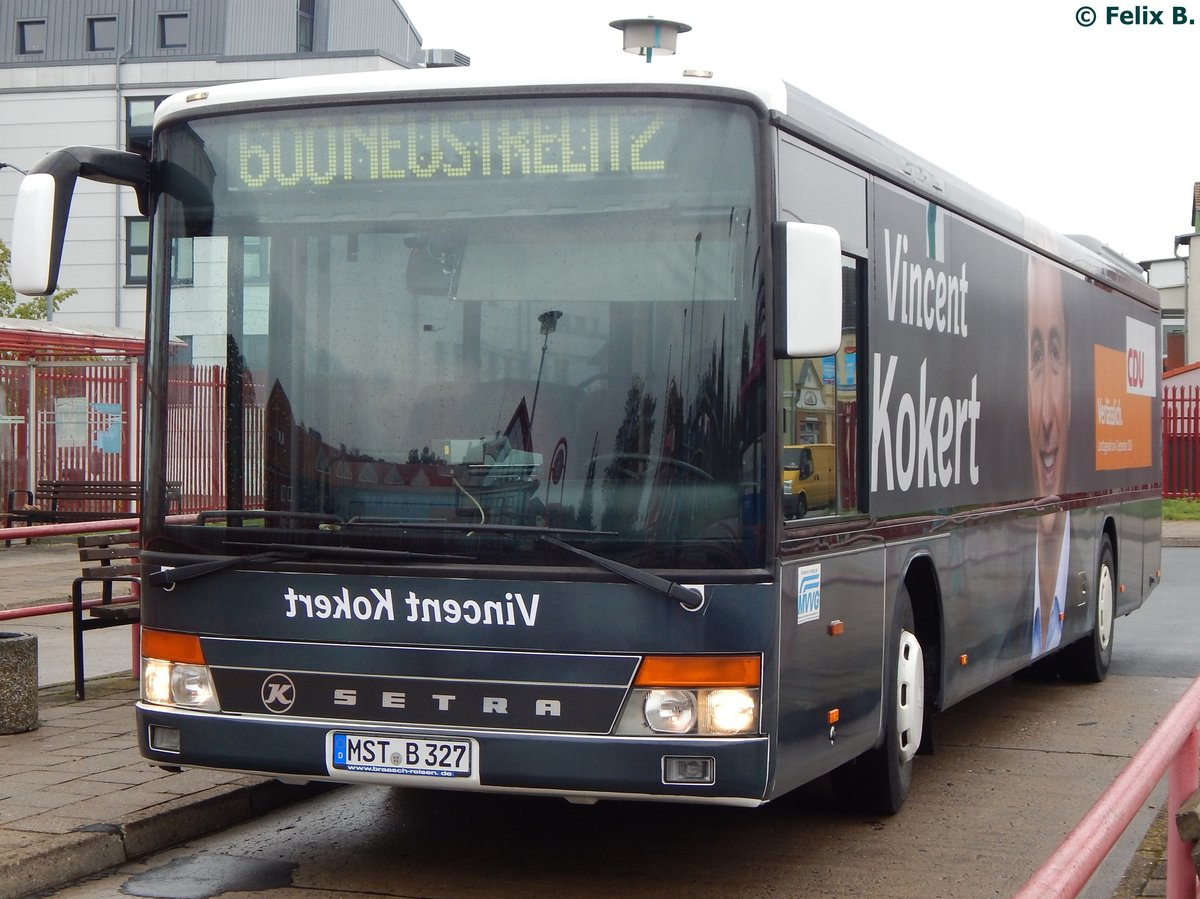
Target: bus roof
[[792, 109]]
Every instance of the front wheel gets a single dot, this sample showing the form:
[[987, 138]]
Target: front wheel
[[1088, 659], [879, 779]]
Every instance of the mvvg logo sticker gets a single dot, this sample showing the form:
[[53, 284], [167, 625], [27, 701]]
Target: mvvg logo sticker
[[808, 595]]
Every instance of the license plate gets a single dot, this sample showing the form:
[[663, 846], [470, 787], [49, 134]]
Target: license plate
[[423, 756]]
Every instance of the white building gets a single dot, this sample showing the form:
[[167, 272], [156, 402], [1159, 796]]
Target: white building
[[1180, 295], [92, 72]]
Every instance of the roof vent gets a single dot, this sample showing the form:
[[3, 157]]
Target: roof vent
[[445, 59], [644, 36]]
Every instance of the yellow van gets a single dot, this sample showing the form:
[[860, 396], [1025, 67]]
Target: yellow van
[[809, 478]]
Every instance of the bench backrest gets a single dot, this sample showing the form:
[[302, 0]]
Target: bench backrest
[[97, 495], [108, 555]]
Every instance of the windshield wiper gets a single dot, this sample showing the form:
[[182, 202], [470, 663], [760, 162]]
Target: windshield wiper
[[688, 597], [278, 552]]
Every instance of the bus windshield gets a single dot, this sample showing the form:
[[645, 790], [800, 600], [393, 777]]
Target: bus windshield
[[425, 321]]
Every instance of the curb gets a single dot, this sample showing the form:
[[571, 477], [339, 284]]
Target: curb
[[35, 862], [60, 860]]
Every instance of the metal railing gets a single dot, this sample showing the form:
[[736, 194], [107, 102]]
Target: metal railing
[[70, 529], [1172, 748]]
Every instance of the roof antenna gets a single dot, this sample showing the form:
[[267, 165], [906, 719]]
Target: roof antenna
[[644, 36]]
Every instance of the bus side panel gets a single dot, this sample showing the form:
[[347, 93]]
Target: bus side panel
[[1001, 378], [823, 668], [998, 375], [982, 595], [1139, 552]]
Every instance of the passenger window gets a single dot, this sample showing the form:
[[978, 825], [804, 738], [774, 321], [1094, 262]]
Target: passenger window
[[818, 402], [818, 456]]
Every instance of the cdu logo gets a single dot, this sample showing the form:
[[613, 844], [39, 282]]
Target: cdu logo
[[278, 693]]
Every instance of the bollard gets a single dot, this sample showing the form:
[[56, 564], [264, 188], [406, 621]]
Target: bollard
[[18, 683]]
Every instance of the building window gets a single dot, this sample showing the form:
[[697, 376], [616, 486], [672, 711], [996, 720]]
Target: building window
[[182, 264], [255, 260], [305, 13], [139, 121], [173, 31], [137, 254], [137, 250], [102, 33], [31, 36], [1174, 344]]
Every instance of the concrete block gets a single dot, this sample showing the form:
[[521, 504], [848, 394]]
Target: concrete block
[[18, 683]]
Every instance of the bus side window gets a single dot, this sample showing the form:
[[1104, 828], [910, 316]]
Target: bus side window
[[818, 397], [818, 420]]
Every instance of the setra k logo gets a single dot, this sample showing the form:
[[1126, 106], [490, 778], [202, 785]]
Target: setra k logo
[[278, 693]]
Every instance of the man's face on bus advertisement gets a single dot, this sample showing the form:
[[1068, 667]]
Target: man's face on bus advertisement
[[1049, 380]]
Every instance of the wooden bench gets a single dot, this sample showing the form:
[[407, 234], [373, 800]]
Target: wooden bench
[[58, 502], [108, 559]]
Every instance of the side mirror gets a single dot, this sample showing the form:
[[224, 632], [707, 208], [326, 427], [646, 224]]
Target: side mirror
[[44, 203], [35, 252], [808, 295]]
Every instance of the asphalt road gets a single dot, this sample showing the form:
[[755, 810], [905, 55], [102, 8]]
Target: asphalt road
[[1016, 767], [1160, 640]]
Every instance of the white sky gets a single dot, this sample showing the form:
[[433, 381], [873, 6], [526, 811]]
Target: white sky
[[1088, 130]]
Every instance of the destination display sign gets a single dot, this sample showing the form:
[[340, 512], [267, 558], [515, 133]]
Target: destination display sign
[[466, 142]]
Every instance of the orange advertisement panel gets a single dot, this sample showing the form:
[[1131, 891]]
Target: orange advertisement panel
[[1123, 438]]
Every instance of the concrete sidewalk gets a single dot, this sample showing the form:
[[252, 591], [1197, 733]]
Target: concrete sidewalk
[[77, 798], [75, 795]]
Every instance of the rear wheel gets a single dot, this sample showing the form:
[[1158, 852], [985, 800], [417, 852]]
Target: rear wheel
[[1088, 659], [879, 779]]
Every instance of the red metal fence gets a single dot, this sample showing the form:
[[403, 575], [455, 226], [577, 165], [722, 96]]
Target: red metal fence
[[196, 435], [68, 420], [81, 420], [1181, 442]]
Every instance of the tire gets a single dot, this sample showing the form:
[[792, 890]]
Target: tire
[[801, 506], [878, 780], [1088, 659]]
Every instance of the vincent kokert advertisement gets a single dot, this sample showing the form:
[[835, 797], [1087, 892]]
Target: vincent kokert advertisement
[[999, 376]]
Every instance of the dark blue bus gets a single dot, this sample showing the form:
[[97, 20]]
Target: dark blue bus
[[508, 371]]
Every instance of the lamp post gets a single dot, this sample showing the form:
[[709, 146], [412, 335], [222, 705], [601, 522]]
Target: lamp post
[[549, 322]]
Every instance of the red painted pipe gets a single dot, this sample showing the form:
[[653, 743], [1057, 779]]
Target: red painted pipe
[[55, 608], [69, 529], [1171, 745]]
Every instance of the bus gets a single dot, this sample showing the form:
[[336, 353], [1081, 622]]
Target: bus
[[509, 373]]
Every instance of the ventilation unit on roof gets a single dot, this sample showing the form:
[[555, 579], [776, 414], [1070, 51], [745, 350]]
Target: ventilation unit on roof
[[444, 59]]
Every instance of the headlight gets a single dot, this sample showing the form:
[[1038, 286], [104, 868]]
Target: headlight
[[694, 695], [728, 712], [698, 713], [670, 711], [177, 684]]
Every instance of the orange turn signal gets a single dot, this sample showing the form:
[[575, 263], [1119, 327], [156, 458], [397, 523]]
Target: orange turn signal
[[699, 671], [172, 647]]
